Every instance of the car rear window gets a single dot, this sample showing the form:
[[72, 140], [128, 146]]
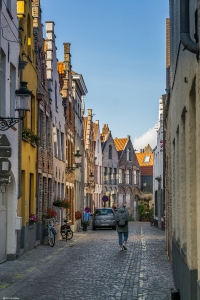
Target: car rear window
[[100, 212]]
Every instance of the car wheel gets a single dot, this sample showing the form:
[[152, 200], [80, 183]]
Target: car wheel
[[114, 228], [94, 228]]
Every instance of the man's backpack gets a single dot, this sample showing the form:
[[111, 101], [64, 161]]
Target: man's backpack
[[122, 219]]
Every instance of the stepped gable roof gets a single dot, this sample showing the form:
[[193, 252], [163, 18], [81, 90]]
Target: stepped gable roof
[[60, 67], [105, 135], [145, 159], [95, 128], [120, 144]]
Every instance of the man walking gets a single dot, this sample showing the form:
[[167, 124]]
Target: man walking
[[122, 227]]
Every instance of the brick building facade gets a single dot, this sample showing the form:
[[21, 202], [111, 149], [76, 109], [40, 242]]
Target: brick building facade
[[128, 174], [65, 80], [110, 167]]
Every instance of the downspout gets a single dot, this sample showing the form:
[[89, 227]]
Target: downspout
[[186, 40]]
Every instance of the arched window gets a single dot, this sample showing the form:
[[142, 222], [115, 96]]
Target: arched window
[[110, 152], [129, 154]]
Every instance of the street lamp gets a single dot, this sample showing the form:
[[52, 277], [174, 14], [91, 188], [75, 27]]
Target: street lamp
[[91, 180], [77, 164], [146, 184], [23, 97]]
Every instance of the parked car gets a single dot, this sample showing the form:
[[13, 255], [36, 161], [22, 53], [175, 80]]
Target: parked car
[[104, 218]]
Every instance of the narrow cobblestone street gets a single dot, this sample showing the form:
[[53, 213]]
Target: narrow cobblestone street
[[90, 266]]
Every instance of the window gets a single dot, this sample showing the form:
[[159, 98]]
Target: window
[[105, 175], [120, 175], [110, 152], [12, 90], [9, 5], [147, 159], [3, 85], [43, 194], [47, 133], [49, 192], [110, 172], [58, 189], [115, 176], [62, 190], [136, 177], [128, 153], [100, 175], [100, 212], [62, 147], [40, 127], [58, 142], [128, 176]]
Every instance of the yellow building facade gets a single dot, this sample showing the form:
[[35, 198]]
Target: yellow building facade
[[27, 73]]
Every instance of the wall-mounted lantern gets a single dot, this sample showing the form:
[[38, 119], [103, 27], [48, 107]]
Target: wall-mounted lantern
[[23, 97], [20, 9], [77, 164]]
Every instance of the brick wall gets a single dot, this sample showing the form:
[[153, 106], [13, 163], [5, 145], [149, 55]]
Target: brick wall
[[45, 155]]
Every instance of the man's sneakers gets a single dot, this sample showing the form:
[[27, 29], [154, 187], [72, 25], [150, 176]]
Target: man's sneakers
[[124, 248]]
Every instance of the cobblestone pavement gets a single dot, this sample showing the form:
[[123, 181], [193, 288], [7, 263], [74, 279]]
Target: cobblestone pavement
[[90, 266]]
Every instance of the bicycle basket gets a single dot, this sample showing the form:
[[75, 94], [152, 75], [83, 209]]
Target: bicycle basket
[[54, 231], [46, 232]]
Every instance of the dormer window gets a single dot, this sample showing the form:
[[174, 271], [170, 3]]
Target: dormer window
[[147, 159]]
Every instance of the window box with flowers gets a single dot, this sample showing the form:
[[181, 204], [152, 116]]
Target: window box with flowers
[[61, 203], [32, 219], [49, 214], [30, 137]]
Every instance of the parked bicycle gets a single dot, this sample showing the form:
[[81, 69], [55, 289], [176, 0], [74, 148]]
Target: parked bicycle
[[66, 231], [50, 232]]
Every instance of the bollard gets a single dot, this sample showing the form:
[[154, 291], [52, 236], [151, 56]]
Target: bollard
[[175, 294]]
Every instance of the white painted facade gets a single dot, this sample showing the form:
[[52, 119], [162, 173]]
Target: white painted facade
[[58, 118], [98, 168], [158, 169], [79, 90], [9, 55]]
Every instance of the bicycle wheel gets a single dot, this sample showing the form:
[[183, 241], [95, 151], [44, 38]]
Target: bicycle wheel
[[62, 232], [70, 234], [51, 238]]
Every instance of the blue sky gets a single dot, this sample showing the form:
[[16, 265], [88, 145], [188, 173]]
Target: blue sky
[[119, 48]]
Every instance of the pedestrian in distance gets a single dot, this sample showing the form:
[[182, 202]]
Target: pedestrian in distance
[[121, 218]]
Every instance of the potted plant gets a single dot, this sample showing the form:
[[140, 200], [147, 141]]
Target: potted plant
[[78, 215], [57, 202], [85, 224]]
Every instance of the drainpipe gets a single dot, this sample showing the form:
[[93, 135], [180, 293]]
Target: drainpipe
[[186, 40]]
